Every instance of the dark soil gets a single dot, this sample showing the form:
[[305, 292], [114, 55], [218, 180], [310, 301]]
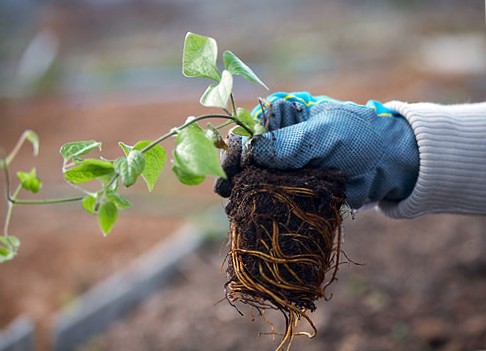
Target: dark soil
[[283, 241], [421, 286]]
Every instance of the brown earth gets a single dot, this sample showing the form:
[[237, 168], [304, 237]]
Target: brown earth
[[63, 252], [422, 285]]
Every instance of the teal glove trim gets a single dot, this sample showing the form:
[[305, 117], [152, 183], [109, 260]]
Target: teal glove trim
[[381, 110], [307, 100], [304, 98], [374, 146]]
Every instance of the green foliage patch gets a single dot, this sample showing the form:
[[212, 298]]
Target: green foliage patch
[[195, 154]]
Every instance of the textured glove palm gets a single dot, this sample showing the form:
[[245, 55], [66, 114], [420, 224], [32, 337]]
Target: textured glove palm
[[374, 147]]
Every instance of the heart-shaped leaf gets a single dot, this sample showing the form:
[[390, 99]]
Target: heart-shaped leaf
[[118, 199], [87, 170], [199, 57], [107, 216], [183, 176], [218, 95], [78, 148], [195, 153], [155, 159], [89, 204], [130, 167], [234, 64]]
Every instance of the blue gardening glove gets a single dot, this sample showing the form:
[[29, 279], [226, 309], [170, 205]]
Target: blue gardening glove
[[374, 146]]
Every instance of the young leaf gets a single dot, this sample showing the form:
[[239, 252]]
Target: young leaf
[[107, 216], [233, 64], [87, 170], [130, 167], [78, 148], [184, 177], [195, 153], [218, 95], [155, 159], [125, 147], [241, 131], [258, 129], [89, 204], [244, 116], [118, 199], [9, 246], [214, 135], [32, 136], [28, 135], [29, 181], [199, 57]]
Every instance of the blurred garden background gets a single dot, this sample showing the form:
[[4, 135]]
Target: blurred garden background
[[110, 70]]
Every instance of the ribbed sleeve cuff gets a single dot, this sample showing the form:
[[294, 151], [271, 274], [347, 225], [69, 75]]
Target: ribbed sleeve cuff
[[452, 148]]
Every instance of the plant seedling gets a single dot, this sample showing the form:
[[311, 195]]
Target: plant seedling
[[285, 226], [193, 158]]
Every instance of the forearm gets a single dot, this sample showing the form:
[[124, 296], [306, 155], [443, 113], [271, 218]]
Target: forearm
[[452, 148]]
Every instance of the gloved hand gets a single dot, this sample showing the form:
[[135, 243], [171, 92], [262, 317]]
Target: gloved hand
[[373, 146]]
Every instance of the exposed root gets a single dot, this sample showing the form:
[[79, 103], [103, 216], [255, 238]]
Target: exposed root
[[285, 236]]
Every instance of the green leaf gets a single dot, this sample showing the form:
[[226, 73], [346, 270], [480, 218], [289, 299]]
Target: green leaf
[[218, 95], [241, 131], [89, 204], [9, 246], [184, 177], [195, 154], [87, 170], [155, 159], [29, 181], [78, 148], [199, 57], [234, 64], [215, 137], [32, 136], [130, 167], [125, 147], [107, 216], [245, 117], [26, 135], [108, 178], [259, 129], [118, 199]]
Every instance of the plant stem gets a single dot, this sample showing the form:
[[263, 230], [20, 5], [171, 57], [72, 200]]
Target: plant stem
[[174, 131], [12, 199], [16, 149], [8, 216], [15, 201], [233, 104]]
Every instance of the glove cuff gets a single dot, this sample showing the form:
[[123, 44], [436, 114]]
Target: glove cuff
[[452, 151]]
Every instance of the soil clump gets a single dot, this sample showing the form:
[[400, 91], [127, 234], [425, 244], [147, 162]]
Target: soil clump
[[284, 237]]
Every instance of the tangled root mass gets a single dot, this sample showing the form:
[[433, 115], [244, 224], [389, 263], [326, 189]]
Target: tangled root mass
[[285, 235]]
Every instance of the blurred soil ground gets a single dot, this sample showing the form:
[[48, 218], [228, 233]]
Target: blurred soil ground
[[117, 78], [421, 286]]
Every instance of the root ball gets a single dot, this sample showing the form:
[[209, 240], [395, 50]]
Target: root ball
[[285, 235]]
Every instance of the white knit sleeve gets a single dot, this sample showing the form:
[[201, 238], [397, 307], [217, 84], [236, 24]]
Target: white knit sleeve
[[452, 148]]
